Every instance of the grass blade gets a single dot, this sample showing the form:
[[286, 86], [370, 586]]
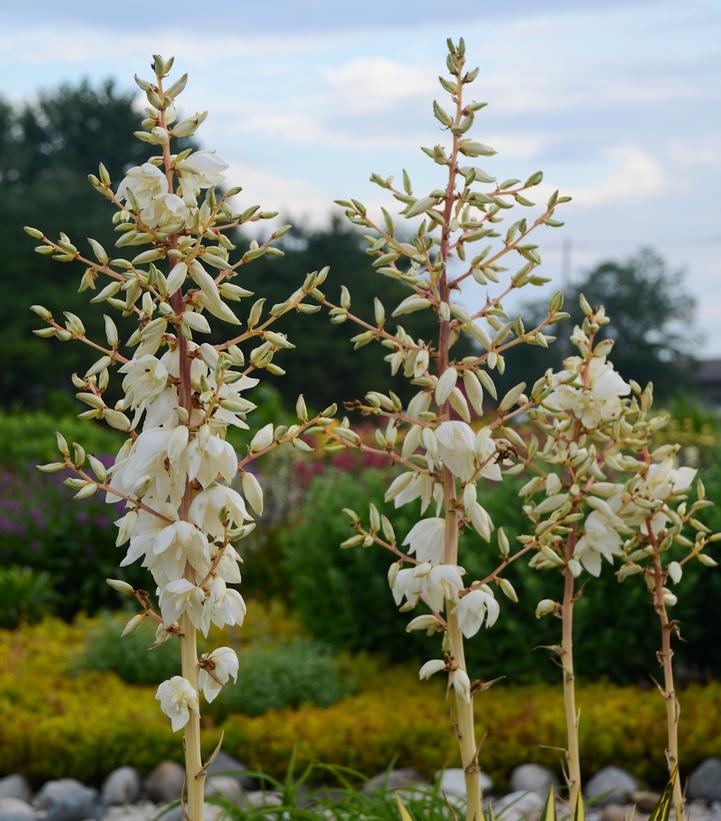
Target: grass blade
[[662, 810]]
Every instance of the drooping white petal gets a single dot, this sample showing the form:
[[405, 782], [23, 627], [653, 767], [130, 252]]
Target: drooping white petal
[[177, 698]]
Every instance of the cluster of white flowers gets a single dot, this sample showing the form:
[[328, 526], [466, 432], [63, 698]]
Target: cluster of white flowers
[[608, 493], [175, 474], [601, 466], [441, 439], [145, 189]]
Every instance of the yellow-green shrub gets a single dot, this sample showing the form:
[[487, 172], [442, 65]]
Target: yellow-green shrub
[[620, 725], [54, 724]]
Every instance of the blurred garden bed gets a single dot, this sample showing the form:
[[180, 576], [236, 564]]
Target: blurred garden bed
[[58, 721], [334, 675]]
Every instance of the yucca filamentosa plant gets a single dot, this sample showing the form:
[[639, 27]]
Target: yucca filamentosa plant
[[172, 477], [603, 491], [444, 440]]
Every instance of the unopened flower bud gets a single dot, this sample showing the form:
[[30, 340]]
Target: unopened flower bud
[[121, 586], [545, 607]]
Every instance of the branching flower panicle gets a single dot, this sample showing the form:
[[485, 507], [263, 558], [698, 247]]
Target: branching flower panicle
[[607, 495], [172, 477], [443, 440]]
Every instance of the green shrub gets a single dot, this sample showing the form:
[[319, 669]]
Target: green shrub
[[28, 437], [130, 658], [53, 725], [25, 595], [41, 527], [288, 674], [342, 596]]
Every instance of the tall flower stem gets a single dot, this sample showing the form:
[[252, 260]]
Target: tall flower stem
[[573, 758], [673, 708], [464, 718], [194, 772]]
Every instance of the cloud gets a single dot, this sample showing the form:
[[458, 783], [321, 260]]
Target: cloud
[[374, 84], [80, 43], [301, 199], [634, 175]]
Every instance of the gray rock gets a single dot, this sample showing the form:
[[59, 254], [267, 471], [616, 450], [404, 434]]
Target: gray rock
[[452, 783], [701, 811], [705, 781], [165, 782], [519, 806], [15, 786], [211, 812], [224, 786], [225, 764], [645, 800], [68, 800], [14, 809], [533, 778], [145, 811], [611, 785], [122, 786], [394, 780], [263, 798], [615, 812]]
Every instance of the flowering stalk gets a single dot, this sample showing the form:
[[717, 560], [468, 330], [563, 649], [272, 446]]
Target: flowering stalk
[[173, 474], [441, 439], [571, 715], [668, 691], [607, 495], [660, 499]]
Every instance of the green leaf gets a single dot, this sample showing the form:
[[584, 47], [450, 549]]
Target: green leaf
[[662, 810], [549, 810], [402, 811], [579, 813]]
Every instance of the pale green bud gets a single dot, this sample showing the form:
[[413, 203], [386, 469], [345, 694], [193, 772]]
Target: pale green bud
[[252, 491], [545, 608], [121, 586], [133, 624], [508, 590]]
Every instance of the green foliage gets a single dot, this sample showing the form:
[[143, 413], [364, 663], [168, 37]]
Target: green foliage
[[25, 595], [325, 368], [342, 596], [340, 799], [131, 657], [48, 146], [28, 438], [42, 528], [54, 725], [286, 674]]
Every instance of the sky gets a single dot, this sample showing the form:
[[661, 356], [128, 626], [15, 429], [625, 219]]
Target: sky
[[619, 103]]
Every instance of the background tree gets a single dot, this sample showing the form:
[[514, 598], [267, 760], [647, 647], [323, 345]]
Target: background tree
[[653, 316], [329, 369], [47, 147]]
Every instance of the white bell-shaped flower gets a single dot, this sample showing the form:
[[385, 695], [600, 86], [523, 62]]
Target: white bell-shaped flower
[[216, 669], [177, 698], [425, 539]]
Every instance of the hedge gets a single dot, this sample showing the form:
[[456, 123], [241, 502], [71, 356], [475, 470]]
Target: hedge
[[55, 724]]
